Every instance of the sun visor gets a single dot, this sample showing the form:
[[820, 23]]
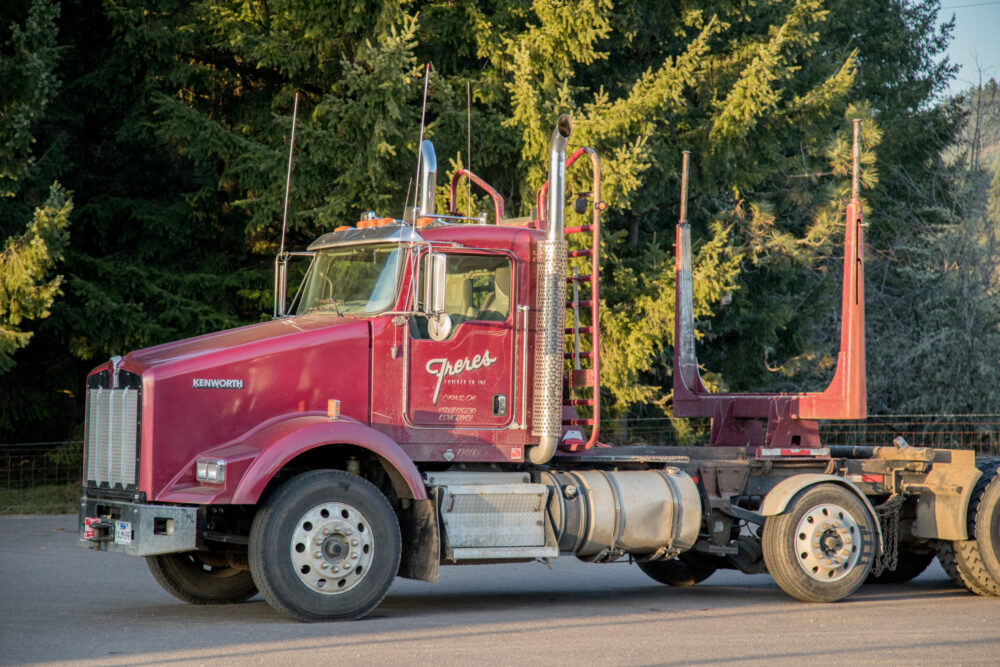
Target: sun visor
[[387, 234]]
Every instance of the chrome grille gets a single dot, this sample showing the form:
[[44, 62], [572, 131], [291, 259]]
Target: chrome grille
[[112, 437]]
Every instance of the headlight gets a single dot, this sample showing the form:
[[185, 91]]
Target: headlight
[[212, 471]]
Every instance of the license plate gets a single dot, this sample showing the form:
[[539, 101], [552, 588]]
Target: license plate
[[123, 532]]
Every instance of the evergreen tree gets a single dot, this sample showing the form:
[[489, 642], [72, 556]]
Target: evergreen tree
[[947, 311], [172, 125], [34, 210], [729, 84], [27, 288], [153, 256]]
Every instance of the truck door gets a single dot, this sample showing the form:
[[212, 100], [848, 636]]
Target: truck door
[[467, 379]]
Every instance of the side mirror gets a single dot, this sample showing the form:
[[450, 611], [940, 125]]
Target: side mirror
[[439, 326], [438, 322], [437, 271]]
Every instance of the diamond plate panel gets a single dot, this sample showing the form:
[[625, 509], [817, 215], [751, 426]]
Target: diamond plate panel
[[494, 515], [494, 504]]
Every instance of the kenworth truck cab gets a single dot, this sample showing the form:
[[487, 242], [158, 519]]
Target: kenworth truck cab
[[428, 401]]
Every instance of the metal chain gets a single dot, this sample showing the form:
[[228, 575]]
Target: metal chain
[[888, 518]]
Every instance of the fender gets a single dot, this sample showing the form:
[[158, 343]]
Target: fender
[[253, 460], [778, 498]]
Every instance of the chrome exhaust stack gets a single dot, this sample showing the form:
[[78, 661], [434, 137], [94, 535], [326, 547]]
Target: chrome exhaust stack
[[546, 423]]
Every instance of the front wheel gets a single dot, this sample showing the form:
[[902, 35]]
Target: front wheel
[[821, 548], [200, 577], [325, 547]]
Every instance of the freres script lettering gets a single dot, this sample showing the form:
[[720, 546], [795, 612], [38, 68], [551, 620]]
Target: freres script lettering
[[442, 368]]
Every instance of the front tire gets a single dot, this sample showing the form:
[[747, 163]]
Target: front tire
[[325, 547], [198, 577], [821, 548]]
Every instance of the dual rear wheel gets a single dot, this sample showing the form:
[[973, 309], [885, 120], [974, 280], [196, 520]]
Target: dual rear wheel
[[909, 564], [685, 570], [200, 577], [974, 564], [819, 550], [985, 522]]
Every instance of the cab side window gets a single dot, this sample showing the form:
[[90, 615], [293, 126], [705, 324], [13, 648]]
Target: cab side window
[[477, 288]]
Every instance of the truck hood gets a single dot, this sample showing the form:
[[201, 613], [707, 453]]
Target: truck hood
[[256, 337], [200, 393]]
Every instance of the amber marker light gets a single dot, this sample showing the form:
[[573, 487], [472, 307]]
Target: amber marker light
[[333, 408]]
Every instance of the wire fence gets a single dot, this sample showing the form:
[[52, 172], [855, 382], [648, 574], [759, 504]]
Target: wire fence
[[29, 465], [977, 432]]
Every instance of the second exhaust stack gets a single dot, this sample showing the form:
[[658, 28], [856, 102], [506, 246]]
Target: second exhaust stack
[[546, 420]]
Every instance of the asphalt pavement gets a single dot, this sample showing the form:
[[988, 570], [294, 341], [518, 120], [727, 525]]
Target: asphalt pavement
[[63, 604]]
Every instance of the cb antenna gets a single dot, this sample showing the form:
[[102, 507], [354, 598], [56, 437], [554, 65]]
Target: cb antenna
[[468, 125], [281, 261], [288, 179]]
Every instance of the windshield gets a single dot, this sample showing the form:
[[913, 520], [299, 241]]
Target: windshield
[[352, 280]]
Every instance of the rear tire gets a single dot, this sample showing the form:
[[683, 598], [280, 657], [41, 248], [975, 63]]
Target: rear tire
[[189, 577], [821, 548], [683, 571], [325, 547], [984, 526], [964, 566], [909, 564], [946, 556], [970, 565]]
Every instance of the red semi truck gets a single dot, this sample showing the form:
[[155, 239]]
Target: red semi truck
[[422, 406]]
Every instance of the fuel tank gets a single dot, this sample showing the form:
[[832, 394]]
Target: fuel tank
[[601, 514]]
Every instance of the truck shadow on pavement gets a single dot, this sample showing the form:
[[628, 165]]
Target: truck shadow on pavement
[[436, 606]]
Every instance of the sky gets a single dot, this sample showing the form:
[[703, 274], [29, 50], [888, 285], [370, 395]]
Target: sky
[[976, 35]]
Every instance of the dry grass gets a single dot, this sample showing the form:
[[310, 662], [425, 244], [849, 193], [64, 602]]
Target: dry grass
[[44, 499]]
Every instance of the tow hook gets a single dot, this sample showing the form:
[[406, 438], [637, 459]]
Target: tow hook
[[103, 531]]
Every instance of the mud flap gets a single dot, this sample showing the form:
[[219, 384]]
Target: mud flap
[[418, 525], [944, 495]]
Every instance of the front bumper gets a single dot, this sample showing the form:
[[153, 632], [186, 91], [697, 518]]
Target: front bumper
[[136, 529]]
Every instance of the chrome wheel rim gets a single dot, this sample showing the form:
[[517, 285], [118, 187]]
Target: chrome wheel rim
[[332, 548], [827, 543]]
